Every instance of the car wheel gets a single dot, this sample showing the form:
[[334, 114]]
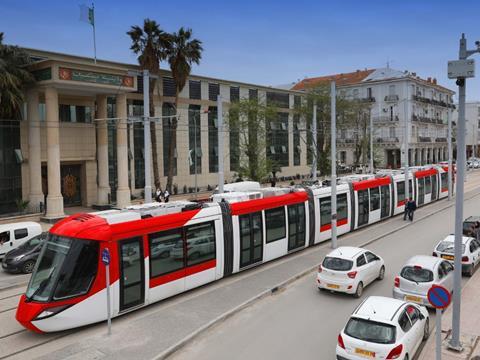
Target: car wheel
[[359, 291], [28, 266], [381, 274], [426, 330]]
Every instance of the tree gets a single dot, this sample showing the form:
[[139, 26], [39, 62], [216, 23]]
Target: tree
[[151, 44], [248, 119], [183, 52], [14, 77]]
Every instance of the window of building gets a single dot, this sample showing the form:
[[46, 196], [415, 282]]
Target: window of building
[[297, 101], [392, 132], [234, 93], [166, 252], [253, 94], [277, 139], [168, 109], [234, 134], [75, 113], [194, 140], [138, 155], [296, 140], [275, 224], [369, 93], [169, 88], [195, 89], [212, 139], [200, 239], [213, 91], [343, 157], [280, 100], [355, 93]]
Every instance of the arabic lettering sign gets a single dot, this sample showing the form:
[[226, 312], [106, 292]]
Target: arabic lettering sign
[[95, 77]]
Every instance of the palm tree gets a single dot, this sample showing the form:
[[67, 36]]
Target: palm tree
[[184, 51], [151, 44], [14, 76]]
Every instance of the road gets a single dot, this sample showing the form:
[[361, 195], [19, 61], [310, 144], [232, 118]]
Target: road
[[302, 322]]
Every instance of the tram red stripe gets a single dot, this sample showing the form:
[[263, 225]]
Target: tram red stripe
[[423, 173], [246, 207], [367, 184], [329, 226], [176, 275]]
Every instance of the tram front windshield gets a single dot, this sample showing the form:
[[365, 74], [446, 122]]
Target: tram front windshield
[[65, 268]]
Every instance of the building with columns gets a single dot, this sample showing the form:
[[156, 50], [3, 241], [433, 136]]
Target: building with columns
[[78, 144], [397, 99], [472, 127]]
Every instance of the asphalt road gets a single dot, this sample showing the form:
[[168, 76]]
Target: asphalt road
[[302, 322]]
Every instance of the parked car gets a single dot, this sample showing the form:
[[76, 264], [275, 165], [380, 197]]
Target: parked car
[[15, 234], [383, 328], [23, 258], [349, 269], [419, 274], [470, 252]]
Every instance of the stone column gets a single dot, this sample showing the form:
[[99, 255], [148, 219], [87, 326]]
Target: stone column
[[123, 190], [102, 151], [54, 197], [34, 162]]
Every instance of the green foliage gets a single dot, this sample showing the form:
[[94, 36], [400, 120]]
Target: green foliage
[[21, 204], [14, 77]]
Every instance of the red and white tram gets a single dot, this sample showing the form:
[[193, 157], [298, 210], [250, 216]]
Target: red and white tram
[[160, 250]]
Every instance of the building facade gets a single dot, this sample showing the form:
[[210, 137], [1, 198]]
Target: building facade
[[472, 127], [80, 141], [398, 101]]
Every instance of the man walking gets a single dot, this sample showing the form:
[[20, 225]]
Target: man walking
[[406, 210], [411, 209]]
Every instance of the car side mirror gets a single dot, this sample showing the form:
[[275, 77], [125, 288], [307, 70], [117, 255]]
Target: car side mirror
[[422, 317]]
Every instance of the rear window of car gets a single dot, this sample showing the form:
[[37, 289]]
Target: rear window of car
[[448, 247], [416, 274], [370, 331], [333, 263]]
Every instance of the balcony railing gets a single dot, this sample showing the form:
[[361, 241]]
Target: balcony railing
[[425, 139], [391, 98], [387, 140], [385, 119], [441, 140], [369, 99], [432, 101]]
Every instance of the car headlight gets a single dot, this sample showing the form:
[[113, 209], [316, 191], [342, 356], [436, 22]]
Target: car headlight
[[19, 257]]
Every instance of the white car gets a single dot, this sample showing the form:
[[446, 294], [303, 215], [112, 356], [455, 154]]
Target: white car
[[419, 274], [470, 252], [383, 328], [349, 269], [15, 234]]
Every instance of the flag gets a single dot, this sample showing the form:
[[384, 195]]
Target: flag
[[87, 14]]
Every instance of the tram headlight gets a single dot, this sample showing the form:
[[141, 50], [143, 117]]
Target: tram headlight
[[51, 311]]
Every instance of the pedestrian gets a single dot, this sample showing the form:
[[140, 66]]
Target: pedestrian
[[406, 209], [412, 208], [166, 195], [159, 195]]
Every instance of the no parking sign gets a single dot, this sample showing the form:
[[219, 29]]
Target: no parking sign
[[439, 297]]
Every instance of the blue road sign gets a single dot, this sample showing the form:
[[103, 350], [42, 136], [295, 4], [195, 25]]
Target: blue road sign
[[106, 257], [439, 297]]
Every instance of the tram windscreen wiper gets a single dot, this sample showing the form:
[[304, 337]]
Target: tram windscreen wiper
[[42, 285]]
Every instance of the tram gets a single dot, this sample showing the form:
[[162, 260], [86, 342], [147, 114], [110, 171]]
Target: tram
[[162, 249]]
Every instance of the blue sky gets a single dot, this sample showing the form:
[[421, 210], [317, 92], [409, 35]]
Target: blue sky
[[265, 42]]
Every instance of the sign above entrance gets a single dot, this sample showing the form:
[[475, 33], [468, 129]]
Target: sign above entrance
[[95, 77]]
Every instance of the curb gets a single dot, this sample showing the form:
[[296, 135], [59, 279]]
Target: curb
[[175, 347]]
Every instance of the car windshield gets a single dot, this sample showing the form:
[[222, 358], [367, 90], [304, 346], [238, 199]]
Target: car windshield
[[33, 242], [416, 274], [333, 263], [448, 247], [370, 331], [66, 267]]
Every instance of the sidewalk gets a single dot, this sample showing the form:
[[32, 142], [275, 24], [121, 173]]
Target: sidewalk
[[469, 326], [157, 330]]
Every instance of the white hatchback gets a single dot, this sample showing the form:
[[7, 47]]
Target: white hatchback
[[470, 252], [383, 328], [349, 269]]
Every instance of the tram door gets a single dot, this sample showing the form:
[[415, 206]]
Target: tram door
[[251, 239], [434, 187], [363, 207], [421, 191], [132, 273], [385, 201]]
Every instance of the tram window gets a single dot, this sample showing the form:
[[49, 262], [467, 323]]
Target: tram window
[[444, 179], [20, 233], [325, 211], [342, 207], [401, 191], [200, 243], [79, 271], [275, 224], [428, 185], [374, 199], [166, 252]]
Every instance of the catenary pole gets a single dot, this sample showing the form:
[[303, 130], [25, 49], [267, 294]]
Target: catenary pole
[[221, 179], [371, 141], [146, 136], [405, 145], [334, 163], [450, 154], [314, 144]]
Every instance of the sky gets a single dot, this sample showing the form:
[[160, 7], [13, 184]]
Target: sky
[[265, 42]]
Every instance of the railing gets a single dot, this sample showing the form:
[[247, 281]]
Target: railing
[[441, 139], [424, 139], [391, 98], [385, 119], [387, 140], [432, 101], [369, 99]]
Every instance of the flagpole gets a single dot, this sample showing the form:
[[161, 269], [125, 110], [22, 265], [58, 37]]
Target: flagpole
[[94, 38]]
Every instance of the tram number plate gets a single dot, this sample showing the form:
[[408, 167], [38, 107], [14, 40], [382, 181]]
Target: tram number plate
[[364, 353], [333, 286], [413, 298], [448, 257]]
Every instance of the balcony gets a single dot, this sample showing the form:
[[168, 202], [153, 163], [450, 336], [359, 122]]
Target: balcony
[[441, 140], [432, 101], [391, 98], [385, 119], [426, 119], [387, 140], [369, 99], [425, 139]]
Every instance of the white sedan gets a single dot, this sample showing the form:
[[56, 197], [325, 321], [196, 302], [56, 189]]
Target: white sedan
[[419, 274], [349, 269], [470, 252], [383, 328]]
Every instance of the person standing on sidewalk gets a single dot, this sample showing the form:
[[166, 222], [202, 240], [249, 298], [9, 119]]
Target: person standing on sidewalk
[[411, 209], [406, 210], [166, 195]]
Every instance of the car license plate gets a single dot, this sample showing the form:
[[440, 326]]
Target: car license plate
[[448, 257], [364, 353], [413, 298], [333, 286]]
